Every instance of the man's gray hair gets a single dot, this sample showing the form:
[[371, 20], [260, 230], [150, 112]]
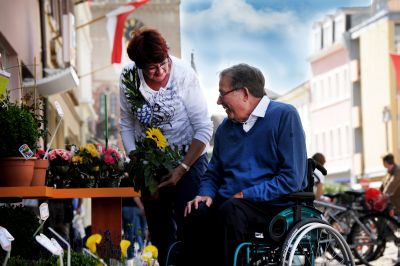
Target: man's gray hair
[[243, 75]]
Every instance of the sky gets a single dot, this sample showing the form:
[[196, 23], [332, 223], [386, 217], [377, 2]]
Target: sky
[[273, 35]]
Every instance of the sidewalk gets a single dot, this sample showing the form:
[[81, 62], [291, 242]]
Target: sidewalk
[[389, 257]]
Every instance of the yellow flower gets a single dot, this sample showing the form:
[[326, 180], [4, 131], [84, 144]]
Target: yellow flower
[[124, 244], [77, 159], [92, 242], [152, 249], [156, 135]]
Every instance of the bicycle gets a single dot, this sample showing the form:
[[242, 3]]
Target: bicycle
[[366, 230]]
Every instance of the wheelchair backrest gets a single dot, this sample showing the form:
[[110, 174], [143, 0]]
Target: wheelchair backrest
[[311, 166]]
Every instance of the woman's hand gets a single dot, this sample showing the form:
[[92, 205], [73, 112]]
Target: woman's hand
[[171, 179], [195, 203]]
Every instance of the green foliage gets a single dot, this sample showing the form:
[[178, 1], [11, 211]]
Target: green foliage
[[330, 188], [18, 126], [18, 261], [149, 163], [131, 80], [22, 223], [77, 259]]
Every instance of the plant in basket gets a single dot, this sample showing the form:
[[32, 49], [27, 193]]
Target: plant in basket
[[86, 164], [59, 168], [111, 167], [152, 159]]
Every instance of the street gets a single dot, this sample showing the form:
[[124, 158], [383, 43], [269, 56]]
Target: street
[[389, 258]]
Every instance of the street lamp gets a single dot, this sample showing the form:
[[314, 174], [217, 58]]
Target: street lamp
[[386, 117]]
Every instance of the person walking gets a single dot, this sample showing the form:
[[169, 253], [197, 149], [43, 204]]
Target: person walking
[[391, 182]]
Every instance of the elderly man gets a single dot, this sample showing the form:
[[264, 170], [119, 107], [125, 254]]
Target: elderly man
[[259, 155]]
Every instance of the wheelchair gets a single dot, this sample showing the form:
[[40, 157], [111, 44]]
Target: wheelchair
[[298, 235]]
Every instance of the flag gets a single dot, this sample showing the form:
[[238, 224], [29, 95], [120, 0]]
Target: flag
[[396, 63], [115, 27]]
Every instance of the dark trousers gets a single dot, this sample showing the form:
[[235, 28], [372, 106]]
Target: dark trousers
[[165, 215], [215, 231]]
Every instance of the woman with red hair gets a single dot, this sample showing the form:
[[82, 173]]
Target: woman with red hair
[[160, 90]]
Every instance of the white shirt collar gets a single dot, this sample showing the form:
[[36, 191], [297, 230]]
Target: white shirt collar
[[259, 111], [261, 107]]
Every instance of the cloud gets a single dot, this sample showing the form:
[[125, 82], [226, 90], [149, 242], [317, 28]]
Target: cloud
[[224, 33], [239, 15]]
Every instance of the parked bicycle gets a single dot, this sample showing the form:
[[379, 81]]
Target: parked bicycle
[[367, 225]]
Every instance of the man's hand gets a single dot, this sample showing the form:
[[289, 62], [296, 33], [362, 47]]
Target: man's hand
[[171, 179], [238, 195], [195, 203]]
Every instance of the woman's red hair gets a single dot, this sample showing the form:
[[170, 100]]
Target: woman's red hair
[[146, 47]]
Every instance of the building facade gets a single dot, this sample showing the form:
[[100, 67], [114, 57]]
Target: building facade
[[40, 51]]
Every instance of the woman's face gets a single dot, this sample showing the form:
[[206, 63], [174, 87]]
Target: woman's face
[[158, 72]]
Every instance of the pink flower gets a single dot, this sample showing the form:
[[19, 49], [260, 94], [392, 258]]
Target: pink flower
[[40, 153], [109, 160]]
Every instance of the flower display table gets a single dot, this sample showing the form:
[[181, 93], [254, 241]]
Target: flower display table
[[106, 203]]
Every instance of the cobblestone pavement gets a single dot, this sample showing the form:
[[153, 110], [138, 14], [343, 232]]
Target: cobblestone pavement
[[389, 258]]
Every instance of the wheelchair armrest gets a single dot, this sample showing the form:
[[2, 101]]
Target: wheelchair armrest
[[299, 196]]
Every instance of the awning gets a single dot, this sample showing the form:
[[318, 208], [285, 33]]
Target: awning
[[60, 81]]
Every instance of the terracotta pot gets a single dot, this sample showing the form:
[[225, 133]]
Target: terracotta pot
[[16, 171], [39, 172]]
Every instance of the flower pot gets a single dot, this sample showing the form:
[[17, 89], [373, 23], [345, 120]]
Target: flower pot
[[16, 171], [39, 172]]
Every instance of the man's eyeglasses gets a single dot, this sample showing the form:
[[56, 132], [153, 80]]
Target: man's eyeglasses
[[222, 94], [152, 68]]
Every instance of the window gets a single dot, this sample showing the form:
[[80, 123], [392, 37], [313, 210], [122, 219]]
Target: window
[[327, 34], [113, 103], [339, 28], [101, 104], [317, 37], [397, 38]]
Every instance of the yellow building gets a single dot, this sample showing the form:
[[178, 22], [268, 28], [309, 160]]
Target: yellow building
[[375, 92]]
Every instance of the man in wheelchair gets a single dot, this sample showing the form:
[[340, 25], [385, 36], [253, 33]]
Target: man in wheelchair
[[259, 156]]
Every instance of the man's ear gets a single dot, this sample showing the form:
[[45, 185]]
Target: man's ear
[[246, 94]]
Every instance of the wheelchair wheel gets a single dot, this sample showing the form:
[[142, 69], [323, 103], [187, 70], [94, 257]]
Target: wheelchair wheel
[[314, 242]]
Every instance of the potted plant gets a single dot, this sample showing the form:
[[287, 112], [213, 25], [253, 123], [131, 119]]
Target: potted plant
[[111, 167], [40, 169], [19, 127], [86, 164], [35, 105], [59, 168]]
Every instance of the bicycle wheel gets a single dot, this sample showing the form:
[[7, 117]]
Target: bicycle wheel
[[310, 242], [364, 246], [341, 221]]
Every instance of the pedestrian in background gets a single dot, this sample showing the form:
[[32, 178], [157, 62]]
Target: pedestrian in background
[[319, 178], [391, 182]]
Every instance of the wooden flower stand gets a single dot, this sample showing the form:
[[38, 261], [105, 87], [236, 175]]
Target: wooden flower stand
[[106, 204]]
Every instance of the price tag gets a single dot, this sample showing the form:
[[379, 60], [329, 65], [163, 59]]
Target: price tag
[[25, 151], [44, 211]]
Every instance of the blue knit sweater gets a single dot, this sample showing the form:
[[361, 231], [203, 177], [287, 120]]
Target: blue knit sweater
[[264, 163]]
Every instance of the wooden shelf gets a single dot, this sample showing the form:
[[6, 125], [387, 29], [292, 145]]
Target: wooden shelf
[[66, 193], [121, 192]]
